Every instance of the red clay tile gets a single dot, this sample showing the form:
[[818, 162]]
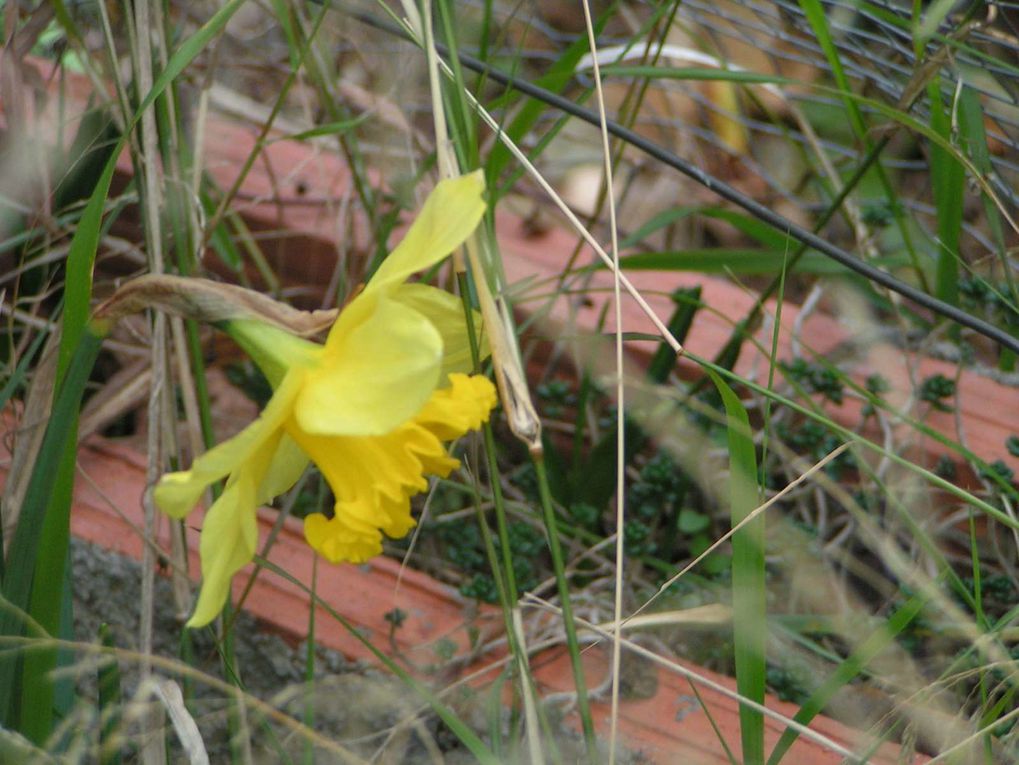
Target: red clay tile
[[671, 726]]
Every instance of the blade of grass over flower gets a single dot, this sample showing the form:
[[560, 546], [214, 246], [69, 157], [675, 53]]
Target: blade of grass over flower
[[505, 356], [750, 630], [466, 736], [532, 170], [501, 566]]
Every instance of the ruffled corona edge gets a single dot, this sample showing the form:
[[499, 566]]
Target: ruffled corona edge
[[374, 477]]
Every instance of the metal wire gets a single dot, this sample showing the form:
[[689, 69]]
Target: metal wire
[[875, 44], [728, 192]]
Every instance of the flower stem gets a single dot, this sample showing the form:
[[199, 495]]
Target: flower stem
[[551, 526]]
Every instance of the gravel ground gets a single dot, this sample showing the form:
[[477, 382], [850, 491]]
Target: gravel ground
[[352, 704], [363, 710]]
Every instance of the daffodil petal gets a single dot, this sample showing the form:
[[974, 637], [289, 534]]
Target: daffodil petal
[[336, 539], [229, 538], [462, 406], [288, 464], [449, 215], [384, 370], [445, 311], [381, 472], [176, 494], [373, 477]]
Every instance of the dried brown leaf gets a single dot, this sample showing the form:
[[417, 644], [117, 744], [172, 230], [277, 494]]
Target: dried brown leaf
[[211, 302]]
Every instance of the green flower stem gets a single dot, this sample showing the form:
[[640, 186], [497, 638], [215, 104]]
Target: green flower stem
[[512, 594], [506, 584], [551, 526]]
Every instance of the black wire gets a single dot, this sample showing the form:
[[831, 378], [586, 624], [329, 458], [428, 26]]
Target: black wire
[[721, 188]]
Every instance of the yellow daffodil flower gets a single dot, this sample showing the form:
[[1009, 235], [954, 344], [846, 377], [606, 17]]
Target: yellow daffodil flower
[[372, 408]]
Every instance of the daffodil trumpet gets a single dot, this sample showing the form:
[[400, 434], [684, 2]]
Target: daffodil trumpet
[[372, 407]]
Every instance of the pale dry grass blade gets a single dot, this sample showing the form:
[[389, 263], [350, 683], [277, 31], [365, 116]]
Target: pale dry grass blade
[[169, 694], [529, 693], [617, 302], [152, 184], [125, 391]]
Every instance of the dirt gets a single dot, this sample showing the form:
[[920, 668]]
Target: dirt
[[355, 708]]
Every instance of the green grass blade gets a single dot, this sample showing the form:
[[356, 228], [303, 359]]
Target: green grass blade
[[750, 630], [186, 53], [38, 553], [973, 137], [948, 181], [24, 550], [697, 73], [558, 76], [688, 302], [48, 592], [80, 259], [308, 752], [814, 12], [721, 260], [319, 131]]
